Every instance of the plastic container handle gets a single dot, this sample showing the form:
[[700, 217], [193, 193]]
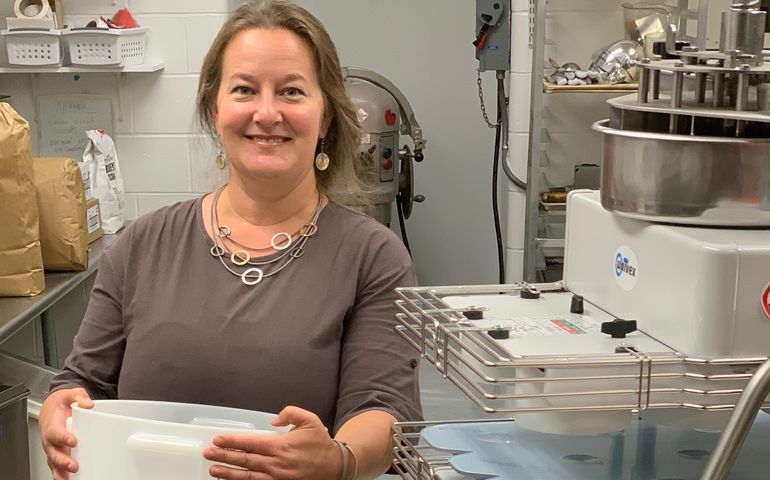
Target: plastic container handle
[[221, 423], [164, 444]]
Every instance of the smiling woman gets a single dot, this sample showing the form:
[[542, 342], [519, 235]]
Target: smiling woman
[[273, 296], [342, 136], [269, 112]]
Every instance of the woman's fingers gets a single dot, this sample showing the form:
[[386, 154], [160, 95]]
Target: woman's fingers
[[81, 397], [61, 438], [249, 461], [224, 473], [259, 444], [298, 417], [259, 456], [58, 460], [295, 454], [56, 440]]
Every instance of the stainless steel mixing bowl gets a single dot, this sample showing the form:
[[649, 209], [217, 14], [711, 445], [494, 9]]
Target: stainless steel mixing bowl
[[685, 179]]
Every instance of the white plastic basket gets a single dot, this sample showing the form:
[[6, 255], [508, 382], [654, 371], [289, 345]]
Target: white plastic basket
[[101, 46], [33, 47]]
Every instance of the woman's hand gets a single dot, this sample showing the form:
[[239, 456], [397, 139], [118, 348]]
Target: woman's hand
[[57, 441], [306, 452]]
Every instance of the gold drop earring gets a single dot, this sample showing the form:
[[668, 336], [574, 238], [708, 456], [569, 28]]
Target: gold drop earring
[[221, 159], [322, 159]]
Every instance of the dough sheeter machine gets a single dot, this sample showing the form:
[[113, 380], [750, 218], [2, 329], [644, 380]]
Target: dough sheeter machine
[[647, 361]]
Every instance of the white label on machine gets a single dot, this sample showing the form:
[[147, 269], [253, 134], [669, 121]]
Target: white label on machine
[[766, 300], [548, 326], [625, 268]]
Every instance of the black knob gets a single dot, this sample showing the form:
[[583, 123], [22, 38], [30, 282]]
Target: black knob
[[577, 304], [418, 198], [387, 153], [474, 314], [418, 156], [619, 328], [499, 333], [529, 293]]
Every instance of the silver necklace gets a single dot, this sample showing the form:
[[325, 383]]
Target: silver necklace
[[256, 272]]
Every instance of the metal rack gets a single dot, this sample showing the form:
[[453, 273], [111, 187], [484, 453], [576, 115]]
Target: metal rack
[[543, 230], [542, 248], [492, 377], [488, 374], [531, 244], [419, 461]]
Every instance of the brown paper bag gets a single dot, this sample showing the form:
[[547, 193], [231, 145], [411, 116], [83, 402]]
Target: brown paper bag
[[61, 203], [21, 262]]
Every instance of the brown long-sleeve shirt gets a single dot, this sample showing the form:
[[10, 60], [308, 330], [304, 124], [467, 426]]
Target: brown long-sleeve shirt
[[166, 321]]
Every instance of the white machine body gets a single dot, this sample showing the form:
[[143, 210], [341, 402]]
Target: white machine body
[[701, 291]]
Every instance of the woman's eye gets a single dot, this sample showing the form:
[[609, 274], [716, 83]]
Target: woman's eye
[[293, 92], [242, 90]]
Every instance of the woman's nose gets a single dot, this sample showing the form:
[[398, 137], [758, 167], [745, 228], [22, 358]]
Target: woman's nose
[[267, 111]]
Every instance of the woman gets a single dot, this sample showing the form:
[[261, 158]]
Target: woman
[[265, 294]]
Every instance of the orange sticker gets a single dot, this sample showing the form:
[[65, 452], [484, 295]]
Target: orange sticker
[[766, 300]]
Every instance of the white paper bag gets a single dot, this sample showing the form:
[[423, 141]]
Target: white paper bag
[[101, 160]]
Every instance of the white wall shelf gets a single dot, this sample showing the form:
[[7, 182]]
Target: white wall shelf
[[143, 68]]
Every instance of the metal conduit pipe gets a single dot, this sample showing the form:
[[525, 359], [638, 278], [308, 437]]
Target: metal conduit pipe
[[745, 4], [730, 442], [504, 107]]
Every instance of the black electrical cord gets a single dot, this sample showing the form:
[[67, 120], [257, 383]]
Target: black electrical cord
[[401, 224], [495, 165]]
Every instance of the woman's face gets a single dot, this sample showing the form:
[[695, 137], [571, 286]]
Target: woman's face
[[269, 109]]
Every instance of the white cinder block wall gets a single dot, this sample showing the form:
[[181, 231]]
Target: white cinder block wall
[[162, 158], [423, 47]]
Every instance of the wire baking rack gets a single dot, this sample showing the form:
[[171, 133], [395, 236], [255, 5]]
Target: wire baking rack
[[501, 381]]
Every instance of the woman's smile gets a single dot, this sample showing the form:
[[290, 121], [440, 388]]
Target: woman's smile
[[268, 140]]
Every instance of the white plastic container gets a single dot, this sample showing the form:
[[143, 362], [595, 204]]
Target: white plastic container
[[103, 46], [144, 440], [33, 47]]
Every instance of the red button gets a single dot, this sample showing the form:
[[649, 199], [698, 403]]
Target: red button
[[390, 117], [387, 164]]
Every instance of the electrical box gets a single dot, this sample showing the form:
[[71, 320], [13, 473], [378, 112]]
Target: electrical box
[[493, 34]]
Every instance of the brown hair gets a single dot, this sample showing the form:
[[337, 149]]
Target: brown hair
[[342, 137]]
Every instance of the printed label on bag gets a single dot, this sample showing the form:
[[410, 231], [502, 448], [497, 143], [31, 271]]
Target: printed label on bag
[[86, 174], [109, 167], [92, 215]]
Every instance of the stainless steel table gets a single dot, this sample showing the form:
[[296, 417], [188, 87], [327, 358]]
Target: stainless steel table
[[17, 312]]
